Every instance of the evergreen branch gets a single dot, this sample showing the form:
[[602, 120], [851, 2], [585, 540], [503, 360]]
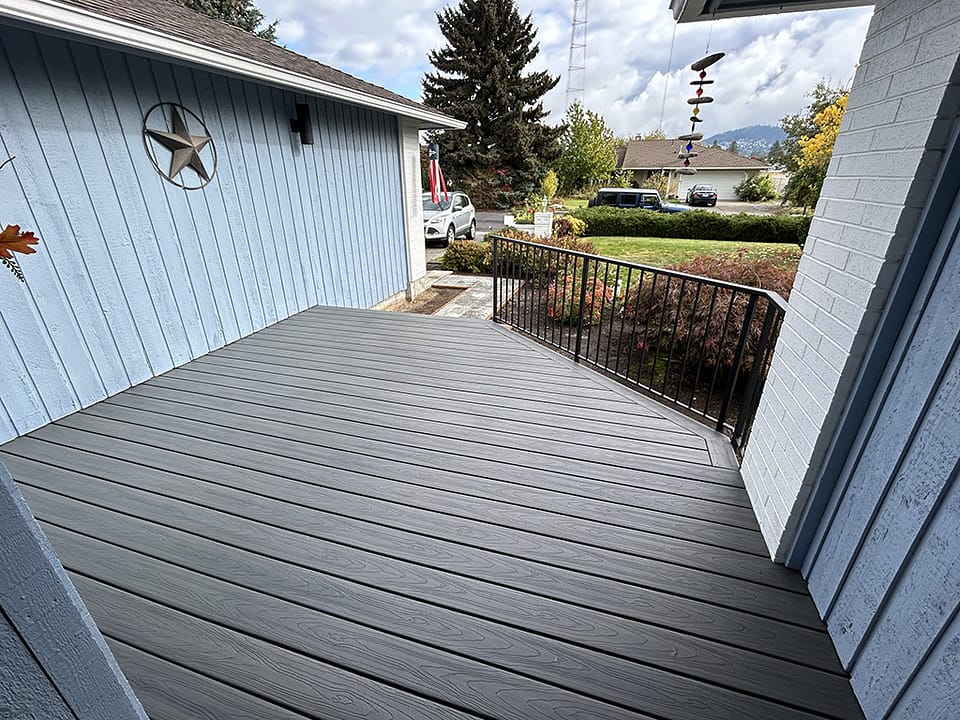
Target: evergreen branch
[[14, 267]]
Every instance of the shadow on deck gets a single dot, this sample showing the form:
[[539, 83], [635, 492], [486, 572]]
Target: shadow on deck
[[354, 514]]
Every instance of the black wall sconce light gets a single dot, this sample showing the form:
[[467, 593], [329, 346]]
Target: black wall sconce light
[[302, 125]]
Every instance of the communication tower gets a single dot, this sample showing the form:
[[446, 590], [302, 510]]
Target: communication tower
[[577, 71]]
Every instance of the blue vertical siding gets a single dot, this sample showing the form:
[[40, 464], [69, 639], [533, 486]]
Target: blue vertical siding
[[135, 276], [884, 569]]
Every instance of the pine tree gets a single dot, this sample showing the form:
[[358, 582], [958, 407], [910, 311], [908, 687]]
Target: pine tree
[[776, 154], [241, 13], [733, 147], [505, 149]]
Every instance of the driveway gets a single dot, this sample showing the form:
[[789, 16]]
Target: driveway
[[729, 207]]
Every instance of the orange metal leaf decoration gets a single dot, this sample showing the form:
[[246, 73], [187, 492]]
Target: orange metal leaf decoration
[[12, 240]]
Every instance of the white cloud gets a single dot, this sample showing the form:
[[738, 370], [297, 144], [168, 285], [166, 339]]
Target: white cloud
[[772, 61]]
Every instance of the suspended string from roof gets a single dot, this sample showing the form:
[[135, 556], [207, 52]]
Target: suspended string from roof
[[666, 77]]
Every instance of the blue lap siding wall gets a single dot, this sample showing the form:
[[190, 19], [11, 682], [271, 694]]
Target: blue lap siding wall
[[884, 564], [133, 275]]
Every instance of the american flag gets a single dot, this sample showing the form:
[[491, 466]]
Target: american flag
[[437, 184]]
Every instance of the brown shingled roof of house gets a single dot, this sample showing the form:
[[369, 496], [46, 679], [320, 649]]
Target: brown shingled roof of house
[[660, 154], [170, 18]]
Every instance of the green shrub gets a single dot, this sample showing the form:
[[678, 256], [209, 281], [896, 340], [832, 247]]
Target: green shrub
[[695, 225], [467, 256], [533, 264], [567, 226], [563, 299], [756, 189], [693, 332]]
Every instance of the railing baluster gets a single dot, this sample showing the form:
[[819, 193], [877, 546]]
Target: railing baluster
[[646, 329], [493, 261], [564, 306], [623, 317], [686, 344], [583, 292], [703, 347], [591, 301], [663, 315], [673, 335], [737, 362], [633, 333], [613, 312]]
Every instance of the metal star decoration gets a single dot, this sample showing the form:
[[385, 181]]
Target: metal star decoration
[[184, 147]]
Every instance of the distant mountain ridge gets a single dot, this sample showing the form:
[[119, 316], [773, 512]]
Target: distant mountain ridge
[[754, 140]]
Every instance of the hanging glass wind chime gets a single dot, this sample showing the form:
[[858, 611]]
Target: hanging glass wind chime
[[700, 66]]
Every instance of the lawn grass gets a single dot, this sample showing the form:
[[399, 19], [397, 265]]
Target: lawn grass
[[661, 252], [571, 204]]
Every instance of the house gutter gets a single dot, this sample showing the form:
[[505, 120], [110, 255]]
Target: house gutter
[[84, 23]]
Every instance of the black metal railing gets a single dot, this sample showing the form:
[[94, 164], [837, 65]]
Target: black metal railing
[[700, 344]]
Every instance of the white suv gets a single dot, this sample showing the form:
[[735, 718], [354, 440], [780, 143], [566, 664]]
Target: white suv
[[449, 218]]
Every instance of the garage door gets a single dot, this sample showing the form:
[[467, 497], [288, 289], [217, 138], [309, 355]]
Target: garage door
[[724, 180]]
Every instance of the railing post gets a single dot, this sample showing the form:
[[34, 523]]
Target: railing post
[[496, 271], [583, 299], [737, 362]]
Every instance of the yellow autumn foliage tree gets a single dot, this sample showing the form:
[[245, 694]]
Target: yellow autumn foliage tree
[[816, 151]]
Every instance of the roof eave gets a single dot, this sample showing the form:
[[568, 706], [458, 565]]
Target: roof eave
[[695, 10], [716, 167], [87, 24]]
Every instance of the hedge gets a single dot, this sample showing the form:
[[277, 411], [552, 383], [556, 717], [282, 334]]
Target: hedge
[[695, 225]]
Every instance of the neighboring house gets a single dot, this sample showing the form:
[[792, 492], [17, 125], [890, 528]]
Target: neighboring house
[[135, 275], [852, 466], [714, 166]]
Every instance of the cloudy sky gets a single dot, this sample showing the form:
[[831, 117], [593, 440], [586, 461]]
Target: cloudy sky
[[772, 61]]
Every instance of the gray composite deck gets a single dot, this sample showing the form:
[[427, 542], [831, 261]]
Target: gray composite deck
[[354, 514]]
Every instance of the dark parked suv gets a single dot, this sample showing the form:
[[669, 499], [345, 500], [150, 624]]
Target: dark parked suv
[[702, 195], [643, 198]]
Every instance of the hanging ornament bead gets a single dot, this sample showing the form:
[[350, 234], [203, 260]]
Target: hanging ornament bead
[[699, 67], [705, 62]]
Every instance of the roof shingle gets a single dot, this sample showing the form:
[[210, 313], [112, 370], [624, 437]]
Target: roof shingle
[[661, 154], [170, 18]]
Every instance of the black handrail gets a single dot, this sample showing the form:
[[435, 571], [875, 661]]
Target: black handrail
[[700, 344]]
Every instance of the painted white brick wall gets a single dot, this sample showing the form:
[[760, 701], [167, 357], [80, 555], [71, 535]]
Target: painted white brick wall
[[890, 146]]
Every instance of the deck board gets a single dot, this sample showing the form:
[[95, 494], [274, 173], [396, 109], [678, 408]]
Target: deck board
[[360, 514]]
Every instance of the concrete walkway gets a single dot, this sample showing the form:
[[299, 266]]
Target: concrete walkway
[[475, 302]]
